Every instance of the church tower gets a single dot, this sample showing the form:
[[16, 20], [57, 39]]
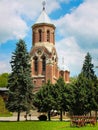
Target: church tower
[[44, 59]]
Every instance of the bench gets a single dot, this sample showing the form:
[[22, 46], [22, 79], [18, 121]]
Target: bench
[[82, 120]]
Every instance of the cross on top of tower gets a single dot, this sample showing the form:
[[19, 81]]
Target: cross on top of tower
[[43, 3]]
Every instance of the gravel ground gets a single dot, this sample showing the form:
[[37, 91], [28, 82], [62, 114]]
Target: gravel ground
[[14, 118]]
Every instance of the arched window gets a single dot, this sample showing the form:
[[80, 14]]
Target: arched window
[[40, 35], [43, 63], [48, 36], [36, 64]]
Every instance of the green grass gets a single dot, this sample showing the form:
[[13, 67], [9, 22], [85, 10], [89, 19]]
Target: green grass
[[38, 125]]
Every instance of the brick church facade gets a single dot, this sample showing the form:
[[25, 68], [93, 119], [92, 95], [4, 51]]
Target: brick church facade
[[44, 59]]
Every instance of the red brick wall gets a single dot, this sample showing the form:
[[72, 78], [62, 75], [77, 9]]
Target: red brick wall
[[44, 28], [40, 67], [49, 72]]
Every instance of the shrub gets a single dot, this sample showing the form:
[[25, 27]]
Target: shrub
[[42, 117]]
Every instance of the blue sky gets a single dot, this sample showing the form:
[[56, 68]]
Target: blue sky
[[76, 24]]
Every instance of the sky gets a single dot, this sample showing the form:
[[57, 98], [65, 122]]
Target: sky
[[76, 33]]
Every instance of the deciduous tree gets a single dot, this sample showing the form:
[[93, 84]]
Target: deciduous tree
[[44, 100]]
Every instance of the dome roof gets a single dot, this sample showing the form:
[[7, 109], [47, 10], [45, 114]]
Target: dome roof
[[43, 18], [64, 68]]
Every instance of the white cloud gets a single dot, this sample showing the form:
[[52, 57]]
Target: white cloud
[[81, 23], [78, 29], [73, 56], [80, 35], [14, 13], [4, 67], [11, 24]]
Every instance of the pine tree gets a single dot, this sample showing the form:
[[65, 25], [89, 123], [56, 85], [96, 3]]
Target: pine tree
[[82, 96], [20, 81], [88, 68], [84, 89]]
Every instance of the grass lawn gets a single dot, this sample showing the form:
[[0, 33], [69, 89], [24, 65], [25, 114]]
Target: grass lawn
[[38, 125]]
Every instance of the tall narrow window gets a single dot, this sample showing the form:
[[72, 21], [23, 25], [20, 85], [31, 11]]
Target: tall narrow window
[[43, 63], [36, 64], [48, 36], [40, 35]]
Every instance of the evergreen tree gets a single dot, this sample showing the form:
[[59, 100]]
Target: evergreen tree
[[95, 97], [88, 68], [20, 82], [88, 72], [84, 89], [82, 96]]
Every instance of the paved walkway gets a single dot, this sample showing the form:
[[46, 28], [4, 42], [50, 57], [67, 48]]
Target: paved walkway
[[14, 118]]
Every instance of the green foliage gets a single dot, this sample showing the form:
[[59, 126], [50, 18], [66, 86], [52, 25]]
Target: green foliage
[[60, 92], [82, 96], [4, 80], [20, 82], [60, 96], [88, 72], [44, 100], [88, 68], [3, 110], [85, 90], [52, 97], [95, 96], [73, 79]]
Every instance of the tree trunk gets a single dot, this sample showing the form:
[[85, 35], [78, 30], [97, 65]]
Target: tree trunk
[[18, 116], [61, 115], [90, 113], [49, 117], [96, 115]]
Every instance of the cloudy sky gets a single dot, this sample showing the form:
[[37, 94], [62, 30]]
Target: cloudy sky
[[76, 24]]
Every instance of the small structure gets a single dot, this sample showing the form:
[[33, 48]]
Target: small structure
[[3, 93], [83, 120]]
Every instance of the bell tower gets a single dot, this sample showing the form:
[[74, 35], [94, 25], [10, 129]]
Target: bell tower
[[44, 59], [43, 53]]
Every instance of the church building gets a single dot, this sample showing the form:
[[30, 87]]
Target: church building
[[44, 58]]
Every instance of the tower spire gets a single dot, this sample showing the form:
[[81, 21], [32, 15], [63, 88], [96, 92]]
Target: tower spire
[[43, 3]]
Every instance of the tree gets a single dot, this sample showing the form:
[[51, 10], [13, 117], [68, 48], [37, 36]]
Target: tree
[[73, 79], [52, 97], [84, 89], [88, 68], [70, 97], [4, 79], [88, 72], [82, 96], [61, 96], [20, 81], [44, 100]]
